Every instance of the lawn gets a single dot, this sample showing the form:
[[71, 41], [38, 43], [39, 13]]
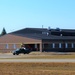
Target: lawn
[[37, 68], [48, 57]]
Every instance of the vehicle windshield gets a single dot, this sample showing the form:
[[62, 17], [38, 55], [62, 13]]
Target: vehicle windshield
[[16, 50]]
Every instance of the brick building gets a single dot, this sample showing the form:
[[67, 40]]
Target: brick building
[[39, 39]]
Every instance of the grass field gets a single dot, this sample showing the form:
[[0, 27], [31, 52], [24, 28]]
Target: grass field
[[48, 57], [37, 68]]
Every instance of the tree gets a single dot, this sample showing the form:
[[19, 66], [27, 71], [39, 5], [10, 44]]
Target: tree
[[3, 32]]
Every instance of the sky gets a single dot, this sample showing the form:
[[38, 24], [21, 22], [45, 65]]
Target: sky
[[19, 14]]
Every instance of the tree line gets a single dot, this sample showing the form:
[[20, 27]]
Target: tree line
[[3, 32]]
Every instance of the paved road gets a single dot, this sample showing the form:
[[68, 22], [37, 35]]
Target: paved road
[[11, 58], [37, 60]]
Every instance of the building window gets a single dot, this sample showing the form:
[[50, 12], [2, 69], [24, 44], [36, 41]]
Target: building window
[[42, 45], [72, 45], [66, 45], [60, 46], [61, 35], [14, 46], [35, 45], [53, 45], [7, 46], [44, 32]]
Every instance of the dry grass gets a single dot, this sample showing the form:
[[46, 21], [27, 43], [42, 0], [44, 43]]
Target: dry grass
[[43, 55], [37, 68], [47, 57]]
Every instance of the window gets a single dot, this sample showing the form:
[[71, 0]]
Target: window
[[60, 46], [7, 46], [43, 45], [53, 45], [61, 35], [44, 32], [66, 45], [35, 45], [72, 45], [14, 46]]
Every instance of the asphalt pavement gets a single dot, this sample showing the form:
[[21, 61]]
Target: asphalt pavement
[[8, 57], [37, 60]]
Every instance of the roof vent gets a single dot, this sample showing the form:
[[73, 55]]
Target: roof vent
[[58, 29], [49, 28]]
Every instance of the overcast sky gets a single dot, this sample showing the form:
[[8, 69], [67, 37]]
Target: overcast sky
[[18, 14]]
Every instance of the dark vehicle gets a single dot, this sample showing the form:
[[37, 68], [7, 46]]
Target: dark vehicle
[[21, 50]]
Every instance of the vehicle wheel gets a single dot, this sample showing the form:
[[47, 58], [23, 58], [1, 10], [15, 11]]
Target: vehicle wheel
[[17, 54], [13, 53], [27, 52]]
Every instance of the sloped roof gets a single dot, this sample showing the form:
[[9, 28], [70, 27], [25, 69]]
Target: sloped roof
[[30, 30], [36, 33], [46, 37]]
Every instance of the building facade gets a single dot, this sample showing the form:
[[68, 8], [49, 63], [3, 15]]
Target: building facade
[[39, 39]]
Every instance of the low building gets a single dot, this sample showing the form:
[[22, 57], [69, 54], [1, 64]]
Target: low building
[[39, 39]]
